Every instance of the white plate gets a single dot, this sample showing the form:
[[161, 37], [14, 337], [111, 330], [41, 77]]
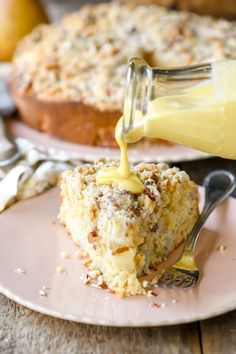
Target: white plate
[[30, 239]]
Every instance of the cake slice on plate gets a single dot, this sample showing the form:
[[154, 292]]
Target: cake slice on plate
[[124, 234]]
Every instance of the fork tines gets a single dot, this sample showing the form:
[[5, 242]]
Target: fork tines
[[178, 278]]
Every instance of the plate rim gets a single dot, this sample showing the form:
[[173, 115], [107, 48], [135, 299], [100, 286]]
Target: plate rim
[[55, 314]]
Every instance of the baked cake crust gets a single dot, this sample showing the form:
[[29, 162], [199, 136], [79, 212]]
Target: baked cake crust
[[124, 234], [71, 121], [82, 60]]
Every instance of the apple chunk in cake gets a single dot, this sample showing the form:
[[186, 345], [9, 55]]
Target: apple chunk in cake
[[124, 234]]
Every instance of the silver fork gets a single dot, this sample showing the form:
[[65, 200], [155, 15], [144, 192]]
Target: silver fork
[[184, 273]]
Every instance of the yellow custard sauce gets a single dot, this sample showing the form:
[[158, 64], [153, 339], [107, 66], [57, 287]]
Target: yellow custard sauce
[[203, 117], [121, 176]]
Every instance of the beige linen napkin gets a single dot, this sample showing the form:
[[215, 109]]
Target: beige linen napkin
[[37, 170]]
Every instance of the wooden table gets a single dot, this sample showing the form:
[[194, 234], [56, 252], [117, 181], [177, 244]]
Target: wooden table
[[25, 331]]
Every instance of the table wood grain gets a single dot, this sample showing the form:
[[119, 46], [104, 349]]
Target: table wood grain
[[23, 331]]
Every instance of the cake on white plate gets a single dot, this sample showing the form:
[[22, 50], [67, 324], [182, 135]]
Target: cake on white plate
[[124, 234]]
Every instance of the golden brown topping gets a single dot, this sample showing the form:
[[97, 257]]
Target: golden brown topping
[[152, 192], [92, 236], [135, 210], [154, 228], [120, 250], [85, 170]]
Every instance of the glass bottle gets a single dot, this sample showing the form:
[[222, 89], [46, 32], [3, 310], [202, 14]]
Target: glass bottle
[[192, 105]]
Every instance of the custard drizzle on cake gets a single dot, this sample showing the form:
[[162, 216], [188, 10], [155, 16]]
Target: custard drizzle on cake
[[121, 176]]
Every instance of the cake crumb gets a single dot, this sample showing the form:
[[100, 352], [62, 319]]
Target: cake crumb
[[60, 269], [65, 254], [94, 274], [221, 248], [77, 254], [163, 304], [20, 271], [173, 301], [46, 288], [151, 293], [42, 293], [101, 283], [154, 281], [154, 304], [80, 254], [145, 284], [86, 261], [85, 278], [54, 222]]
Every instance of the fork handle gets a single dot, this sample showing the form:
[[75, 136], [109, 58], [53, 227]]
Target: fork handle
[[7, 148], [218, 186]]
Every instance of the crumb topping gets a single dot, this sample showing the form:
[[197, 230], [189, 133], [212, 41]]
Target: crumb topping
[[83, 57]]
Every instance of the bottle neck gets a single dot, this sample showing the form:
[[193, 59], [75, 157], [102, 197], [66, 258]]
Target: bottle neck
[[145, 84]]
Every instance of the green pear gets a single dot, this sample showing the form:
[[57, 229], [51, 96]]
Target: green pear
[[17, 18]]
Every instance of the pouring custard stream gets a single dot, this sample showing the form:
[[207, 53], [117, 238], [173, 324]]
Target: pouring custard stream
[[202, 116], [121, 176]]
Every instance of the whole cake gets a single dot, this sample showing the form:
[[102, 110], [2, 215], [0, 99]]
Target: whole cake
[[226, 8], [124, 234], [68, 78]]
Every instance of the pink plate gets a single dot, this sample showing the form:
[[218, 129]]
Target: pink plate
[[30, 239]]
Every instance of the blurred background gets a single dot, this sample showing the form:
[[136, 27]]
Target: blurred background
[[225, 8], [18, 17]]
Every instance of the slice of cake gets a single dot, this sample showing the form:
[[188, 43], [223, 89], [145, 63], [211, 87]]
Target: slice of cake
[[124, 234]]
